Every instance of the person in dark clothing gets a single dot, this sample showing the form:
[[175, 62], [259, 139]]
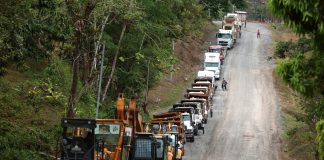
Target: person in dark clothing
[[224, 84]]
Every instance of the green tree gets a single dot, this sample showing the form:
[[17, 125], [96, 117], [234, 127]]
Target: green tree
[[305, 74]]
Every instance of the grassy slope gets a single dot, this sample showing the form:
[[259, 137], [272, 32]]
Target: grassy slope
[[190, 55]]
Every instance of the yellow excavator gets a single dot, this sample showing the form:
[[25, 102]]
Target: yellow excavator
[[122, 138]]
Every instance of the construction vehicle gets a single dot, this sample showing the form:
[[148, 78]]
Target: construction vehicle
[[225, 38], [188, 116], [204, 85], [241, 16], [231, 23], [171, 127], [218, 49], [201, 105], [175, 123], [208, 75], [113, 139], [208, 80], [114, 136], [212, 63], [206, 98], [78, 139], [199, 113]]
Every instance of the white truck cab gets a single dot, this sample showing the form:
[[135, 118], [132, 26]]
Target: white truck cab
[[212, 63], [188, 126], [225, 38]]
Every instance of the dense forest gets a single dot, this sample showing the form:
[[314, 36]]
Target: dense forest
[[51, 56]]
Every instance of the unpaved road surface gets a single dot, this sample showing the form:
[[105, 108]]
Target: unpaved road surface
[[246, 120]]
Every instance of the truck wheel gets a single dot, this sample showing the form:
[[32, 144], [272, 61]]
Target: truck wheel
[[193, 139]]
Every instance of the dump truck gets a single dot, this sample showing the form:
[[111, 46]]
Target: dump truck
[[203, 97], [218, 49], [232, 24], [209, 80], [169, 124], [199, 113], [208, 75], [205, 85], [212, 63], [188, 115], [225, 38], [201, 104]]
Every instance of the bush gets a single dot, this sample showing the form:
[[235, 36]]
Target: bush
[[283, 48]]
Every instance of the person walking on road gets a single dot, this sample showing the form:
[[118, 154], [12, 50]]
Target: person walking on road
[[258, 33], [224, 84]]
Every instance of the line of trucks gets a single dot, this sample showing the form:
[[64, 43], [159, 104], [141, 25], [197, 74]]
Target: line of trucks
[[231, 28], [128, 137]]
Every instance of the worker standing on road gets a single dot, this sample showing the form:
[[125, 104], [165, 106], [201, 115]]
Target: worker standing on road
[[224, 83], [258, 33]]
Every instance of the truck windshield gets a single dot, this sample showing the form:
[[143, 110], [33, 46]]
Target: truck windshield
[[186, 118], [228, 27], [225, 36], [210, 64], [108, 134], [217, 50]]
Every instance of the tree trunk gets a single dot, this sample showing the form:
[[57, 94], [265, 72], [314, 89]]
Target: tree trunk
[[114, 63], [85, 76], [74, 85]]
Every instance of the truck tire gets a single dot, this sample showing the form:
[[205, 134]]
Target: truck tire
[[193, 139]]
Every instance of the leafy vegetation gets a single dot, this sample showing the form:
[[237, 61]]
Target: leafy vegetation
[[219, 7], [304, 72]]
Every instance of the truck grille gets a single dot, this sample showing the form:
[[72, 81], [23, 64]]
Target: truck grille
[[223, 43], [143, 148]]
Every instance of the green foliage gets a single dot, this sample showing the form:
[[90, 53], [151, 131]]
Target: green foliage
[[320, 138], [17, 142], [305, 74], [219, 7], [303, 17], [290, 70], [282, 48], [289, 48]]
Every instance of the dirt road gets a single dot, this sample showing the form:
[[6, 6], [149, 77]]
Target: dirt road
[[246, 120]]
